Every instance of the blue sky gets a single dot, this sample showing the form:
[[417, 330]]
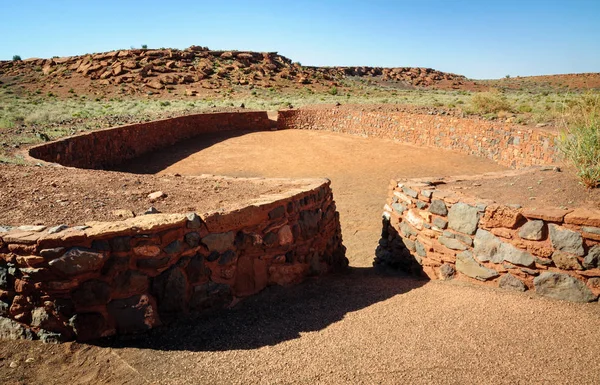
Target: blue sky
[[477, 38]]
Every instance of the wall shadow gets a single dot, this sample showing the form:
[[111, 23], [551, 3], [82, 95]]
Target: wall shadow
[[398, 253], [275, 315], [156, 161]]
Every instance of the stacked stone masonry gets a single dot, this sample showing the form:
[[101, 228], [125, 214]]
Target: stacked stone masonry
[[104, 148], [125, 277], [445, 235], [506, 144]]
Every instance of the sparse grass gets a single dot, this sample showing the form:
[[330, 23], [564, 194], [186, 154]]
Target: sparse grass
[[579, 139]]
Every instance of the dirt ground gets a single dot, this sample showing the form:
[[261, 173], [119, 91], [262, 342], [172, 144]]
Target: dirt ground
[[537, 189], [71, 196], [359, 327]]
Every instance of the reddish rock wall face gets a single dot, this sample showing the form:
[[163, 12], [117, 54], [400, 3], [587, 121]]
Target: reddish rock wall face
[[445, 235], [503, 143], [104, 148], [126, 277]]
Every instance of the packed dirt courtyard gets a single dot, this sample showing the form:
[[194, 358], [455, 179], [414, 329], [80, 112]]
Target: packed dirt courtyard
[[359, 327]]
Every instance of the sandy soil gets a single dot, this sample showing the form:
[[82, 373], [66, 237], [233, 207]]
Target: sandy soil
[[360, 327], [537, 189]]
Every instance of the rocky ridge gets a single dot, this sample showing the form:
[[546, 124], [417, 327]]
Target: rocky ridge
[[154, 70]]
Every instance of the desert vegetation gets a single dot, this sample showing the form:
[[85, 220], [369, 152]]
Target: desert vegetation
[[580, 137]]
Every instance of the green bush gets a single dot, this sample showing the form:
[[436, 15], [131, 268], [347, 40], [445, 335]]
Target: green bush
[[489, 103], [333, 91], [16, 58], [579, 140], [144, 46]]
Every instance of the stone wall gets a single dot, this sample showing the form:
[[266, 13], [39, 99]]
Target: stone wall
[[125, 277], [507, 144], [445, 235], [104, 148]]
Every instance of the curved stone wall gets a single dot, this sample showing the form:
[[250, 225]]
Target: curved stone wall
[[508, 145], [111, 146], [442, 234], [124, 277]]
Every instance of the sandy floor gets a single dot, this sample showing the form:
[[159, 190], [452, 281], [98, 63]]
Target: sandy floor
[[360, 327]]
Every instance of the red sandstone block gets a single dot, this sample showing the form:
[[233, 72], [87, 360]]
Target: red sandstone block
[[584, 217], [501, 216], [550, 214]]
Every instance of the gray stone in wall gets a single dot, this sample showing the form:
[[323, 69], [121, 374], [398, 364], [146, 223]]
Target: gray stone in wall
[[510, 282], [467, 240], [562, 286], [487, 247], [3, 276], [57, 229], [565, 261], [591, 230], [13, 330], [438, 207], [439, 223], [410, 192], [219, 242], [463, 218], [452, 243], [4, 308], [407, 230], [421, 205], [49, 337], [410, 244], [566, 240], [466, 265], [420, 249], [78, 260], [194, 221], [532, 230], [447, 271], [592, 259], [399, 208], [192, 239], [515, 256]]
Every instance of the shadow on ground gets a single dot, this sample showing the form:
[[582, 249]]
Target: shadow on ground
[[156, 161], [275, 315]]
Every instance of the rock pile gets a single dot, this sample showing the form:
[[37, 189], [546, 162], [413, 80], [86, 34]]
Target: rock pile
[[159, 69]]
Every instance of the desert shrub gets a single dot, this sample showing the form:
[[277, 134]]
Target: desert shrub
[[16, 58], [333, 91], [490, 102], [144, 46], [579, 139]]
